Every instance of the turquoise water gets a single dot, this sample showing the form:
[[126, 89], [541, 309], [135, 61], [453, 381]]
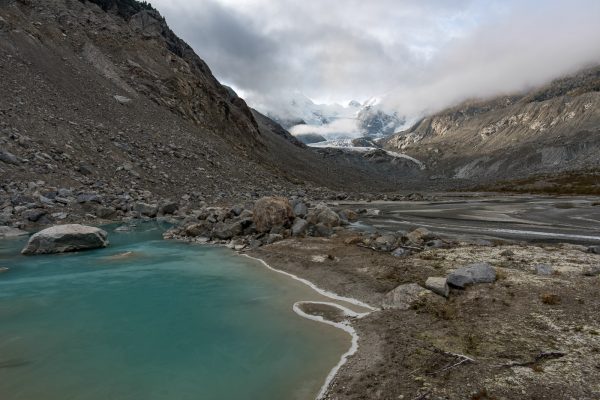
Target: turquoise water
[[167, 321]]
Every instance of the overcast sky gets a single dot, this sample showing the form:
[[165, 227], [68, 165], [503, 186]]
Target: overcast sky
[[419, 55]]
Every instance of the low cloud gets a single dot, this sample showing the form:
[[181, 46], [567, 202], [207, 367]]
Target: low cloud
[[418, 56], [342, 128]]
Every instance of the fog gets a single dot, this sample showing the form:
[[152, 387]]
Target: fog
[[416, 56]]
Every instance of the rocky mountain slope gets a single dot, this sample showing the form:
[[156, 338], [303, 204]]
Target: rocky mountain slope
[[102, 97], [550, 129]]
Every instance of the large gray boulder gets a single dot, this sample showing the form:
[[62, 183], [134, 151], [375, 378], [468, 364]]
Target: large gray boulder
[[64, 238], [406, 296], [474, 273]]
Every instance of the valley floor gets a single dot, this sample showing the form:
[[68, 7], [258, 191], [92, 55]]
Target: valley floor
[[534, 333]]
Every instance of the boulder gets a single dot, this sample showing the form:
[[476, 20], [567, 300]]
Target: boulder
[[420, 235], [299, 227], [271, 212], [438, 285], [386, 242], [148, 210], [64, 238], [300, 210], [594, 249], [474, 273], [405, 296], [225, 231], [89, 198], [328, 217], [321, 230], [8, 158], [348, 215], [169, 208], [401, 252], [200, 229], [35, 214], [105, 212], [543, 269]]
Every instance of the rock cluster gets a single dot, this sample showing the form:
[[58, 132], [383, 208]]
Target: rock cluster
[[404, 244], [266, 221]]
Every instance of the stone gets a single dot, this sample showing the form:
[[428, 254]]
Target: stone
[[420, 235], [226, 231], [299, 227], [34, 215], [3, 270], [270, 212], [122, 99], [328, 217], [89, 198], [436, 244], [148, 210], [21, 199], [200, 229], [105, 212], [10, 232], [438, 285], [543, 269], [386, 242], [591, 270], [507, 253], [237, 210], [62, 192], [8, 157], [473, 273], [321, 230], [405, 296], [300, 210], [348, 215], [60, 215], [594, 249], [65, 238], [85, 169], [274, 237], [169, 208], [401, 252]]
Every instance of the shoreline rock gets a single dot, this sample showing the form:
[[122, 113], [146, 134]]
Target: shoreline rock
[[66, 238]]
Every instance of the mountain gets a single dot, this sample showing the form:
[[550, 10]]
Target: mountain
[[334, 120], [102, 99], [550, 129]]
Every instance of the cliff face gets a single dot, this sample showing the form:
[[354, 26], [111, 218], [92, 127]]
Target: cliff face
[[553, 128]]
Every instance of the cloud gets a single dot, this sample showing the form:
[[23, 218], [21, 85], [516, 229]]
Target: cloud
[[342, 128], [418, 55]]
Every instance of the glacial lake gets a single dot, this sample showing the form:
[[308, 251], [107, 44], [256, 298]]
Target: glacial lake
[[150, 319]]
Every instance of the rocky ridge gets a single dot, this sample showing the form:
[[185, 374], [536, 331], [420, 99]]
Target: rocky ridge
[[549, 129]]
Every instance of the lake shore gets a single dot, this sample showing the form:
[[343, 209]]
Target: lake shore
[[521, 336], [532, 332]]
